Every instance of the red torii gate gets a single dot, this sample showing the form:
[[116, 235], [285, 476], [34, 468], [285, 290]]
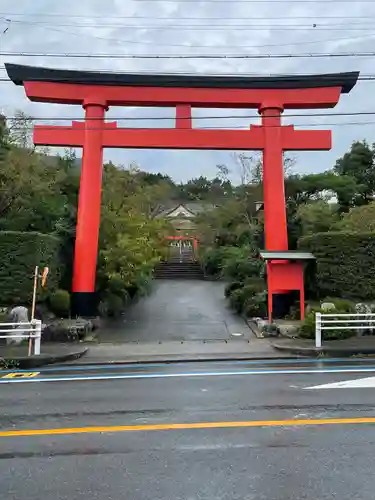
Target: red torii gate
[[96, 92]]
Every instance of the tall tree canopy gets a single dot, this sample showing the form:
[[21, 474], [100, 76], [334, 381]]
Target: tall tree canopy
[[358, 164]]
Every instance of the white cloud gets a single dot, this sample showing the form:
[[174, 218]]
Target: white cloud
[[109, 31]]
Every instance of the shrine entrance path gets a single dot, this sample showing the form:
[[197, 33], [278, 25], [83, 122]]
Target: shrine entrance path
[[178, 310]]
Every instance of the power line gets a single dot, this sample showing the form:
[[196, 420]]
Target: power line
[[234, 127], [207, 117], [138, 42], [316, 26], [242, 18], [335, 124], [142, 42], [362, 76], [363, 80], [189, 56], [257, 1]]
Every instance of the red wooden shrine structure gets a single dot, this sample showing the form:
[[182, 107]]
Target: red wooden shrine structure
[[180, 240], [185, 238], [96, 92]]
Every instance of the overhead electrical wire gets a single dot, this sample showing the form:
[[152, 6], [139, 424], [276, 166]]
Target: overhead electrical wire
[[208, 117], [311, 55], [362, 76], [184, 45], [171, 17], [325, 2], [336, 124], [235, 127], [315, 26]]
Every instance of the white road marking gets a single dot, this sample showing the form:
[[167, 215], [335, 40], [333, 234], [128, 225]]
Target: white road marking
[[368, 382]]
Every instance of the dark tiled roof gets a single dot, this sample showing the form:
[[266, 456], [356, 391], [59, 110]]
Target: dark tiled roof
[[193, 207]]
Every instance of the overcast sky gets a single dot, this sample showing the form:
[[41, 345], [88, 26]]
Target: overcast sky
[[215, 27]]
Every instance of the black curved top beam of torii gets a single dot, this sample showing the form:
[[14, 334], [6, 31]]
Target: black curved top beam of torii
[[21, 73]]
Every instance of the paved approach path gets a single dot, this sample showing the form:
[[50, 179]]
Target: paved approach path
[[178, 311]]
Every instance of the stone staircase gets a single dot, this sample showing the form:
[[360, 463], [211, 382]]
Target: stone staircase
[[179, 270]]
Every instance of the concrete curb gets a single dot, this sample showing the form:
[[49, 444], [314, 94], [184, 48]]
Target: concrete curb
[[339, 352], [162, 360], [45, 359]]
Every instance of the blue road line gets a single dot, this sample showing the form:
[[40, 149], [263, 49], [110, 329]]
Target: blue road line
[[77, 378], [140, 373], [118, 366]]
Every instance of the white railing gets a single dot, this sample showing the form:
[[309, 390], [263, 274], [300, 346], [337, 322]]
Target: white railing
[[31, 331], [353, 321]]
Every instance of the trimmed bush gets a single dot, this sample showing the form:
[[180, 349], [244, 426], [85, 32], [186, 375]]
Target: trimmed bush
[[112, 306], [59, 303], [212, 260], [342, 305], [241, 296], [307, 329], [258, 284], [344, 264], [231, 287], [240, 264], [256, 306], [19, 254]]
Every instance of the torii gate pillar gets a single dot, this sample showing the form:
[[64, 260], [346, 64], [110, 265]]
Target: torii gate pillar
[[89, 202]]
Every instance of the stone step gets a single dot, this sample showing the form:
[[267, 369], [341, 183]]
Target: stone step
[[179, 265], [178, 277], [178, 270]]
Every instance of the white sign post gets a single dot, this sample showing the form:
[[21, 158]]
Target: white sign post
[[318, 330]]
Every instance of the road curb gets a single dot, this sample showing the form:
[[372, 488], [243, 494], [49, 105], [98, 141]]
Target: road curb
[[44, 359], [165, 361], [327, 351]]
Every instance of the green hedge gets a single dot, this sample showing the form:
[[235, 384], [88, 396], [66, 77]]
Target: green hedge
[[19, 254], [59, 303], [345, 264]]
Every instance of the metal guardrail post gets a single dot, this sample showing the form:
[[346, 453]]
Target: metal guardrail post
[[318, 330]]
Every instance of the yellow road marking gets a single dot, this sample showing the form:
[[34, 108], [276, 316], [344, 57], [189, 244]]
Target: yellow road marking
[[21, 375], [198, 425]]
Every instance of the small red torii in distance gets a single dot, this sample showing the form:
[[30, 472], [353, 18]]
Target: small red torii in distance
[[96, 92]]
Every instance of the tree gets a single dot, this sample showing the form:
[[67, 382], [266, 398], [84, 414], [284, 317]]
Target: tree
[[4, 138], [233, 222], [131, 241], [21, 130], [359, 219], [196, 189], [155, 179], [250, 168], [323, 186], [358, 163], [316, 217]]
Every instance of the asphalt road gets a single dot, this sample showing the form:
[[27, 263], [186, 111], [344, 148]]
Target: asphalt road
[[193, 431]]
